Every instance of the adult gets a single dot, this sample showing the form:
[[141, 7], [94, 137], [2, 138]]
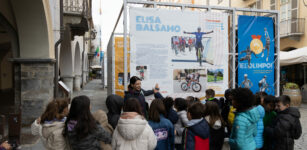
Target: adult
[[135, 91], [199, 37]]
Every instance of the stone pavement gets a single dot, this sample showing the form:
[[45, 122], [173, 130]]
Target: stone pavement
[[93, 90]]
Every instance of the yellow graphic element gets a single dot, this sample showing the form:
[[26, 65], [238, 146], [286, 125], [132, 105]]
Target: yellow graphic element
[[256, 46], [119, 64]]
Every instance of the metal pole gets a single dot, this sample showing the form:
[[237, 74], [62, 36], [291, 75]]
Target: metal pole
[[125, 47], [233, 49], [278, 56], [56, 67]]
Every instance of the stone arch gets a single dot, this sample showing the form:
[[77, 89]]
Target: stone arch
[[77, 67], [34, 27]]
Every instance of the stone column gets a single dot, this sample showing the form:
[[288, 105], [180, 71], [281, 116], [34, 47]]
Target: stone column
[[36, 80], [77, 82], [84, 77], [68, 80]]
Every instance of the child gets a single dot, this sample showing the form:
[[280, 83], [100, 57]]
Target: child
[[81, 130], [210, 96], [114, 104], [244, 127], [51, 124], [5, 146], [170, 112], [133, 131], [196, 135], [216, 124], [181, 107], [286, 126], [260, 127], [192, 100], [270, 115], [162, 127]]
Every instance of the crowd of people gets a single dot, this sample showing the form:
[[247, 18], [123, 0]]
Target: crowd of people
[[240, 120]]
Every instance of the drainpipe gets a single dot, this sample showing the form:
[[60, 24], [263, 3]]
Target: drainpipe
[[56, 49]]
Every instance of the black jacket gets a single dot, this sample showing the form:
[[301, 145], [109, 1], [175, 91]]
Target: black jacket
[[90, 142], [282, 127], [140, 95], [114, 104]]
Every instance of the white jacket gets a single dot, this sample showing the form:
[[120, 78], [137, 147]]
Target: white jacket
[[51, 135], [133, 134]]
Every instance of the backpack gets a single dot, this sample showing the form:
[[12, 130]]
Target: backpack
[[296, 130]]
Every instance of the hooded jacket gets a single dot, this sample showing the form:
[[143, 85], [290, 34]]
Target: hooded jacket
[[140, 95], [217, 134], [164, 131], [180, 126], [114, 104], [196, 136], [280, 131], [244, 130], [53, 134], [260, 128], [133, 133]]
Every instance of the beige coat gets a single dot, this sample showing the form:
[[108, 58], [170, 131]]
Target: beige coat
[[102, 118], [52, 133]]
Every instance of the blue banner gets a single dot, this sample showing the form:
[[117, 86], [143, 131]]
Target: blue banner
[[256, 53]]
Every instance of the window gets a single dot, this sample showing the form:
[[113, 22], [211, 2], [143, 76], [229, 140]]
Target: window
[[256, 5]]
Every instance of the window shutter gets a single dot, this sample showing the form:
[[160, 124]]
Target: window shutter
[[273, 4], [259, 4], [294, 16]]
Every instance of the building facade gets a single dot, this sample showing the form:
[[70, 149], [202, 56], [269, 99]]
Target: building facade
[[28, 33]]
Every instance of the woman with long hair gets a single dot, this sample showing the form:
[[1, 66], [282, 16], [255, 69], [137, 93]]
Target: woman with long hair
[[133, 131], [51, 124], [135, 91], [216, 124], [82, 131], [162, 127]]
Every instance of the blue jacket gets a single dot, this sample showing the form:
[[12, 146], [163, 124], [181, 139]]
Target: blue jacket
[[196, 136], [244, 130], [172, 116], [260, 128], [164, 131]]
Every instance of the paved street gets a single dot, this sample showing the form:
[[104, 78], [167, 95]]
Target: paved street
[[93, 89]]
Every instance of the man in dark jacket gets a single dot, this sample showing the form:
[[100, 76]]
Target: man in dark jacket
[[135, 91], [286, 126], [114, 104]]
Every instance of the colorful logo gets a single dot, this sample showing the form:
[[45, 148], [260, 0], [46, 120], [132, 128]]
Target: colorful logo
[[256, 44]]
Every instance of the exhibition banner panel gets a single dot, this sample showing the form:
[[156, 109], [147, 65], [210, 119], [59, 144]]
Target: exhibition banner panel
[[119, 64], [256, 53], [185, 52]]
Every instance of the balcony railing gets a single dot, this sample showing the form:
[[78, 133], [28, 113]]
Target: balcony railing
[[74, 6], [292, 27]]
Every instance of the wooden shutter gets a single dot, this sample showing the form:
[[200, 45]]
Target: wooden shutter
[[294, 16]]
